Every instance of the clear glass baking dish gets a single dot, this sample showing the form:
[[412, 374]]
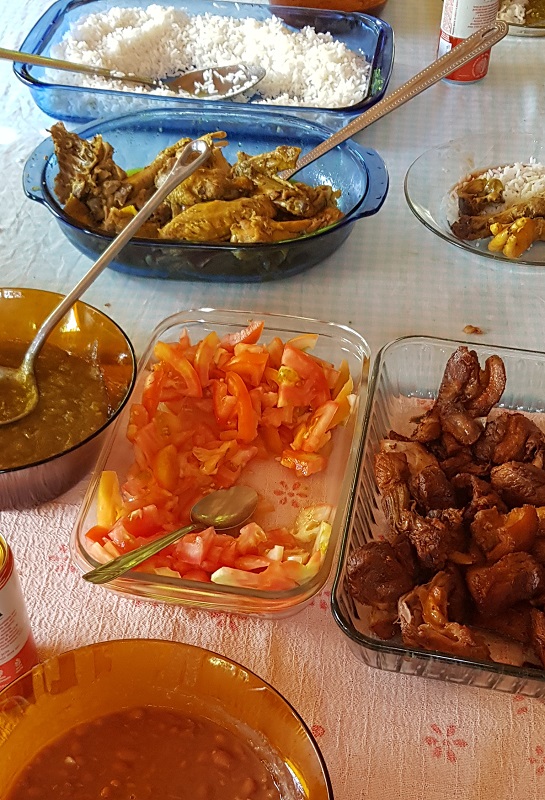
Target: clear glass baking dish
[[367, 36], [335, 485], [406, 370]]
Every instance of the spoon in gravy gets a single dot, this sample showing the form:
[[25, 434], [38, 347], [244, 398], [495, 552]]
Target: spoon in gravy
[[225, 508], [18, 387]]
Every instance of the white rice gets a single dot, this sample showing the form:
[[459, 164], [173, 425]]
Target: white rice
[[513, 12], [520, 180], [304, 68]]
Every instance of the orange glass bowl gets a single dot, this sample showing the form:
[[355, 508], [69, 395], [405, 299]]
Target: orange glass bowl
[[81, 685]]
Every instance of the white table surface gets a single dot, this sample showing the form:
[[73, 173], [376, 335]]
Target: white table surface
[[383, 735]]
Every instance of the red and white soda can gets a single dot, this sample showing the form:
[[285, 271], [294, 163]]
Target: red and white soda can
[[460, 19], [17, 647]]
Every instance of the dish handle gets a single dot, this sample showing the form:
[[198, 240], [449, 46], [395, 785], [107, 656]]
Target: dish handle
[[33, 174], [378, 183]]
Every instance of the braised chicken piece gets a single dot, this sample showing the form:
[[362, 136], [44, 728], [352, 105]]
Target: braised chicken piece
[[265, 208], [264, 229], [380, 572], [499, 534], [471, 227], [467, 392], [512, 579], [88, 173], [436, 536], [477, 194], [519, 483], [426, 622], [510, 437], [212, 221], [477, 495]]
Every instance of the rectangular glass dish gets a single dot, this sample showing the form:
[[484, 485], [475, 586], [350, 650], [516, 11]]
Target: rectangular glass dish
[[365, 35], [405, 372], [275, 483]]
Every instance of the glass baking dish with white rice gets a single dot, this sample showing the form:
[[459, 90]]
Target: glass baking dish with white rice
[[315, 60]]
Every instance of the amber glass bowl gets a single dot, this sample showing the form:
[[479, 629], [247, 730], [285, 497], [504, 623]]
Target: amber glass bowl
[[103, 678], [84, 332]]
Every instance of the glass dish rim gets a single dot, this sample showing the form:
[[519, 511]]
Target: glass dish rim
[[299, 594], [46, 665], [384, 646], [111, 420], [45, 152], [384, 34], [435, 227]]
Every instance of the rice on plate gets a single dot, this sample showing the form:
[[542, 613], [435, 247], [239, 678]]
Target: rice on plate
[[303, 68], [506, 202]]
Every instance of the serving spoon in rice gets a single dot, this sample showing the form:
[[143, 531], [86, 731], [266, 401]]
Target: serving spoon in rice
[[210, 83]]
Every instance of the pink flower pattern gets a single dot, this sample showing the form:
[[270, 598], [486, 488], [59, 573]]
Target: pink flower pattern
[[224, 620], [443, 744], [60, 561], [521, 709], [292, 494], [317, 731], [538, 759]]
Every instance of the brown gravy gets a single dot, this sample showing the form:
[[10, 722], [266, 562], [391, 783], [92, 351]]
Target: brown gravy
[[73, 404], [147, 753]]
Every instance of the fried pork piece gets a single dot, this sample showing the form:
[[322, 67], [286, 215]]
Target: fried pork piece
[[514, 578], [469, 227], [477, 495], [88, 173], [519, 483], [211, 222], [510, 437], [392, 477], [514, 623], [477, 194], [380, 572], [435, 537], [499, 534], [466, 393], [537, 618], [432, 490], [425, 617]]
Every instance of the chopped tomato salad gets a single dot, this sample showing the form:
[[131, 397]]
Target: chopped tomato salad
[[208, 409]]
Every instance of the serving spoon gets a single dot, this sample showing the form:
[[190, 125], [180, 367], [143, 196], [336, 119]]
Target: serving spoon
[[209, 83], [476, 44], [225, 508], [18, 388]]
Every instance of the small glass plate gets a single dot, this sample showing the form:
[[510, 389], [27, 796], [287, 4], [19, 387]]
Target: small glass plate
[[433, 175]]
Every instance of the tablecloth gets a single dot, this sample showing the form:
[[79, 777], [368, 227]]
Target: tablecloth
[[382, 734]]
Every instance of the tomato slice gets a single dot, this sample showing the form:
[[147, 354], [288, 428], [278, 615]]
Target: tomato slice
[[249, 335], [246, 415], [303, 463], [173, 355], [204, 357], [312, 436]]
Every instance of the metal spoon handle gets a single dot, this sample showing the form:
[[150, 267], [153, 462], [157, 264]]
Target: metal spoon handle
[[479, 42], [121, 564], [68, 66], [179, 172]]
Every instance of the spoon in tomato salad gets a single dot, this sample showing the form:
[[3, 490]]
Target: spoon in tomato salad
[[223, 509]]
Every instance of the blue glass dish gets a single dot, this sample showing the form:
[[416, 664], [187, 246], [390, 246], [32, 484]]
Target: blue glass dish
[[369, 37], [358, 172]]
